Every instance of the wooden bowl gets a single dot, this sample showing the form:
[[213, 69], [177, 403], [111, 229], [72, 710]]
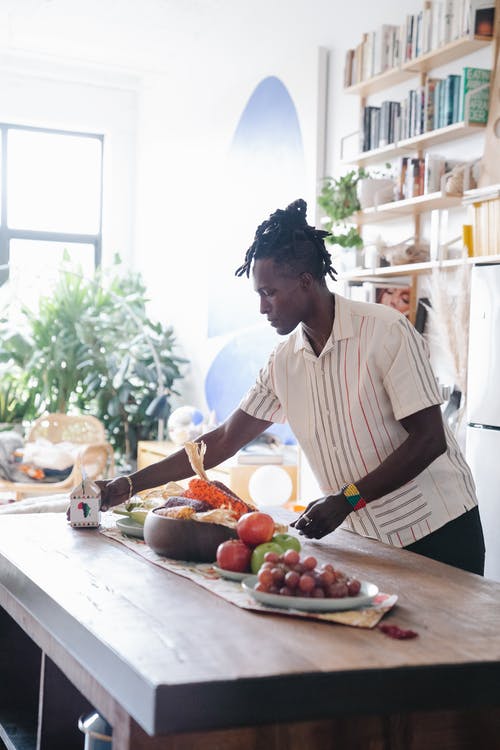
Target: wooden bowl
[[183, 539]]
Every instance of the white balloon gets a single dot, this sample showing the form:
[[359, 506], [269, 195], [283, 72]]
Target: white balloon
[[270, 485]]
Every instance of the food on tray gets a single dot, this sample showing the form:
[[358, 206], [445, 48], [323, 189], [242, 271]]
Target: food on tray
[[202, 495], [137, 508], [191, 523], [289, 575], [255, 528], [234, 555], [261, 551], [198, 506], [256, 537], [287, 541]]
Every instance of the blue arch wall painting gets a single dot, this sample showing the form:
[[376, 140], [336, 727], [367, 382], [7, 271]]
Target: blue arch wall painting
[[265, 170]]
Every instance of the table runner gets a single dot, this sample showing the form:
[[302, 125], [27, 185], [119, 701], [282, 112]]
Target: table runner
[[205, 575]]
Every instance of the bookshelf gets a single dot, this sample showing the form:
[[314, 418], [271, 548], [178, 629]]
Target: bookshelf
[[408, 208], [375, 274], [414, 148], [425, 140], [424, 64]]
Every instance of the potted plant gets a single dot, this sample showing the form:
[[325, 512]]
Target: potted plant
[[339, 201], [16, 403], [91, 347]]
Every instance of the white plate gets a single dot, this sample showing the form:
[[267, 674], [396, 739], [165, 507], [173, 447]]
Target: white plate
[[231, 575], [367, 593], [129, 527]]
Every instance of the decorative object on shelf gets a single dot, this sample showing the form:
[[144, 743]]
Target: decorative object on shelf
[[460, 179], [407, 251], [372, 191], [185, 423]]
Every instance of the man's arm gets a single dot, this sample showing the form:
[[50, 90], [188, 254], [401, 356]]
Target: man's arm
[[425, 442], [222, 443]]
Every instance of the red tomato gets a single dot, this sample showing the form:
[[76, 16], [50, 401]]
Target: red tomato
[[234, 555], [255, 528]]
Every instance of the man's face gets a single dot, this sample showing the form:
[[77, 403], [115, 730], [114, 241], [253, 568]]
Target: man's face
[[283, 298]]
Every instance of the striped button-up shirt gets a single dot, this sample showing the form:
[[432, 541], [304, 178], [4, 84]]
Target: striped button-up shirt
[[344, 408]]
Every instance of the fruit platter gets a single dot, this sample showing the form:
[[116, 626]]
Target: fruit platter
[[206, 522], [281, 576]]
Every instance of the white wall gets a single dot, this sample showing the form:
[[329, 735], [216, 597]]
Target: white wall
[[167, 80]]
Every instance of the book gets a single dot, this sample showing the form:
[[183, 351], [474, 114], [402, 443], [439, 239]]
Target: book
[[451, 99], [429, 103], [482, 21], [348, 66], [474, 106]]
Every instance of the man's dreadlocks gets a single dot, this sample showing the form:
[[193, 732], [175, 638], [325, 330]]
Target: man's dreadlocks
[[288, 239]]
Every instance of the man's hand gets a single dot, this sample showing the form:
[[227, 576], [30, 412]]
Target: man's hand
[[323, 516], [113, 491]]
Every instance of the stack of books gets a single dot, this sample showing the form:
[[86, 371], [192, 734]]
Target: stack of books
[[439, 23], [486, 219], [438, 104]]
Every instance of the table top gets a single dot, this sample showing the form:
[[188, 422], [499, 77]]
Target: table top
[[177, 657]]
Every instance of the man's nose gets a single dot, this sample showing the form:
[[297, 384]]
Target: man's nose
[[264, 306]]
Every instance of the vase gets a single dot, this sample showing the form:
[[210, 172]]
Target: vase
[[349, 259]]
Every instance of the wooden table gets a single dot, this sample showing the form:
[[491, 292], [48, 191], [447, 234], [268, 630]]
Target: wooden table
[[172, 666]]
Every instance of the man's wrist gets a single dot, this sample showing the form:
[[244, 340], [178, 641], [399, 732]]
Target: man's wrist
[[130, 485], [353, 496]]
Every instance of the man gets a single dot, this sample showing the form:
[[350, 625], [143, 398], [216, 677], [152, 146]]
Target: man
[[355, 384]]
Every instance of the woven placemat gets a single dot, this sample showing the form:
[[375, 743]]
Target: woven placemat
[[205, 575]]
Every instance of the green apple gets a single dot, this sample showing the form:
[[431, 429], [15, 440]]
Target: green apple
[[287, 541], [258, 554]]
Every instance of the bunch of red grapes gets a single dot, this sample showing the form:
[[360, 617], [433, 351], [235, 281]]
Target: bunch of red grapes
[[288, 575]]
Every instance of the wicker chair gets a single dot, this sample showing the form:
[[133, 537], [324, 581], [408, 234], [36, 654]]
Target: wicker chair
[[95, 455]]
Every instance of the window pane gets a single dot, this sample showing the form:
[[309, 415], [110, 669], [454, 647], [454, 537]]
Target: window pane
[[53, 182], [35, 266]]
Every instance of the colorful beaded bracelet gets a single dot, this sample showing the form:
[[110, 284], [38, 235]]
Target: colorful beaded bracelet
[[353, 496]]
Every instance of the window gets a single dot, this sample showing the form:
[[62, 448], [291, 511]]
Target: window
[[51, 202]]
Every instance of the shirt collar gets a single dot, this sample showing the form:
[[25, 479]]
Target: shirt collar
[[342, 327]]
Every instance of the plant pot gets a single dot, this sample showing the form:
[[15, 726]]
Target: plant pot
[[349, 259], [373, 191]]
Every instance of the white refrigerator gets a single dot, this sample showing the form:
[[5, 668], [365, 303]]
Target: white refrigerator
[[483, 410]]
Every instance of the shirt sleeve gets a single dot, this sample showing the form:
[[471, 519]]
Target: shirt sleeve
[[261, 400], [409, 379]]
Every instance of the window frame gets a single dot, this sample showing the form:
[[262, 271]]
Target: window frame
[[6, 234]]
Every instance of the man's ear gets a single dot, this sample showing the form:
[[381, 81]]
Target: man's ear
[[306, 280]]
